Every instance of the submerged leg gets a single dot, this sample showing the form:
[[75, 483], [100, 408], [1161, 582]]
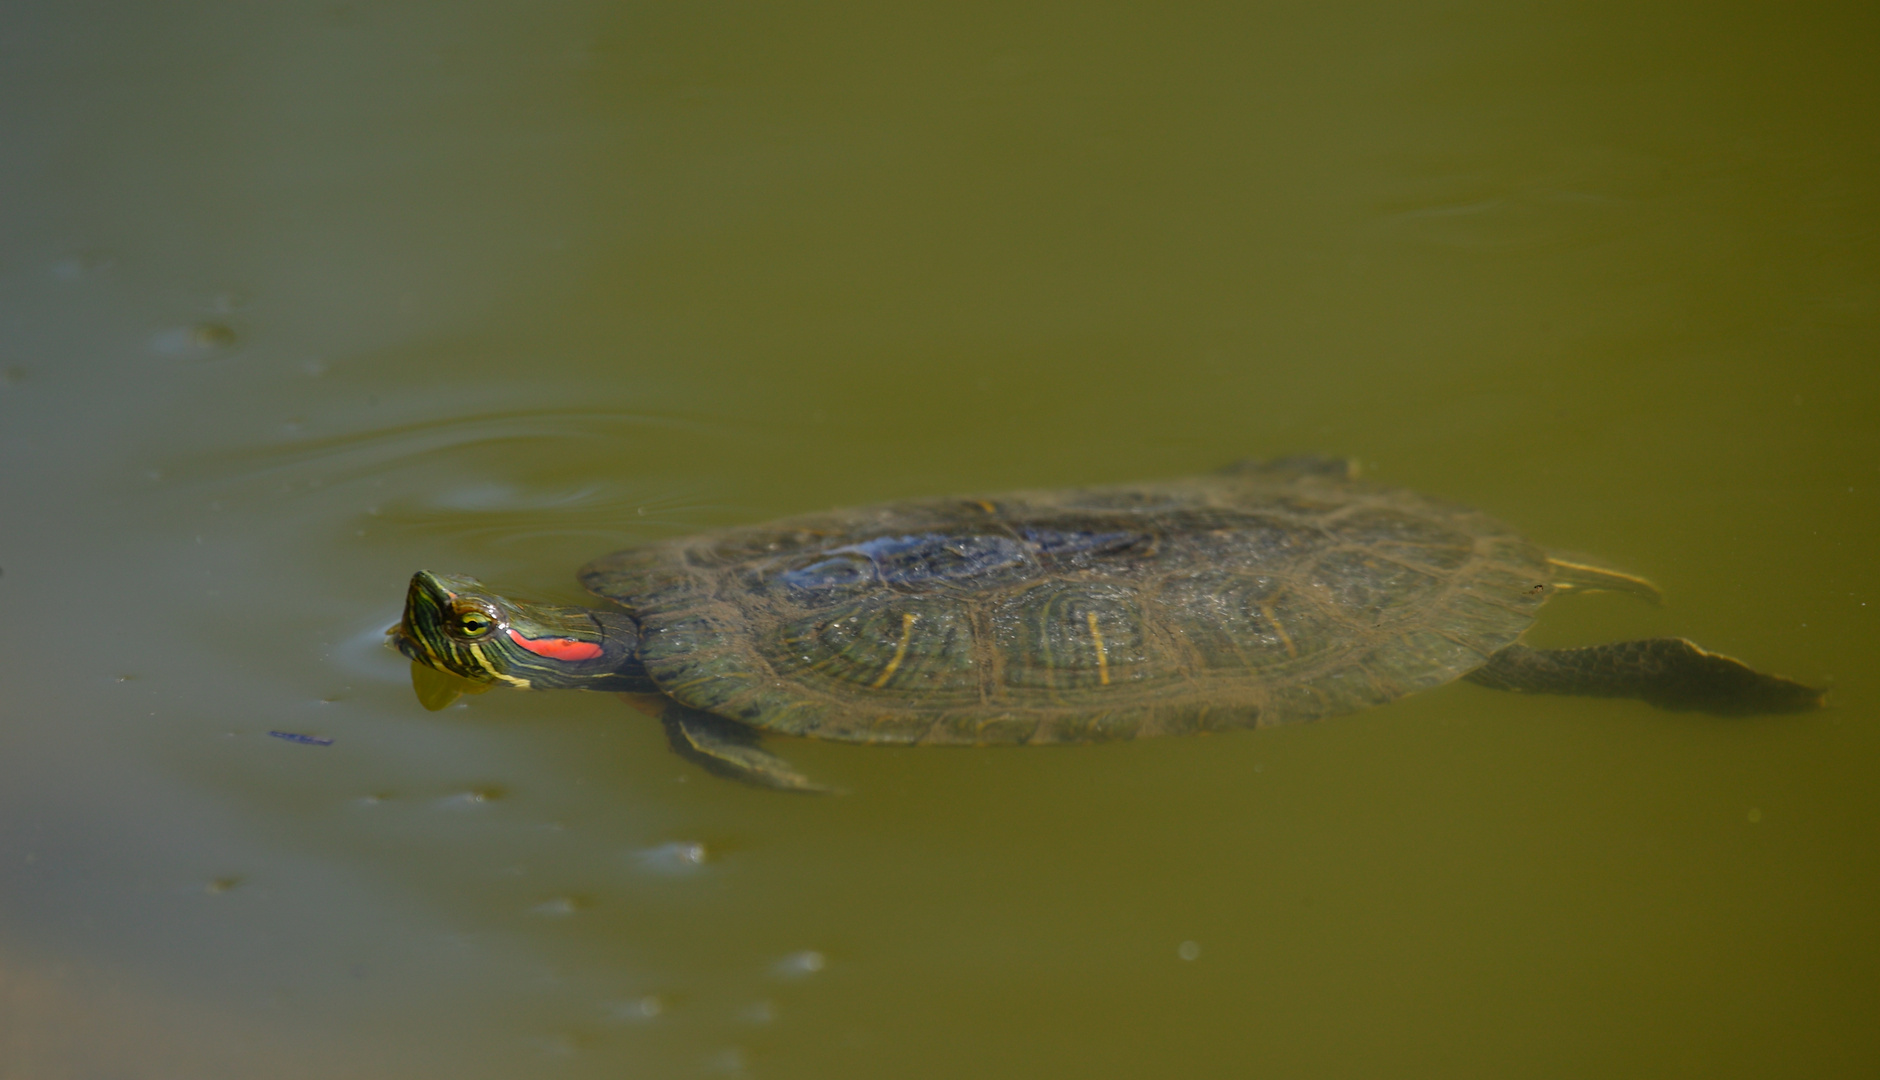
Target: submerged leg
[[1670, 673], [731, 749], [1577, 574]]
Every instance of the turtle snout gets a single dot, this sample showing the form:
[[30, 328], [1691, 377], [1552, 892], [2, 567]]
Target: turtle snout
[[397, 639]]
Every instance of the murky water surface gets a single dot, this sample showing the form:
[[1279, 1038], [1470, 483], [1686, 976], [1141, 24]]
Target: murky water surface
[[300, 298]]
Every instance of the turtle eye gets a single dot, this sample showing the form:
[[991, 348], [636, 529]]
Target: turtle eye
[[473, 623]]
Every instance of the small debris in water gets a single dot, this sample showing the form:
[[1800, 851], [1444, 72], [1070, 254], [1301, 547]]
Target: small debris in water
[[1189, 950], [222, 884], [759, 1012], [639, 1010], [800, 965], [676, 858], [84, 264], [558, 907], [196, 340], [307, 740], [1755, 815], [473, 797]]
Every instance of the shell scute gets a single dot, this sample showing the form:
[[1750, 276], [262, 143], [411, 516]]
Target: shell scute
[[1248, 624], [1364, 585], [1066, 637], [888, 644]]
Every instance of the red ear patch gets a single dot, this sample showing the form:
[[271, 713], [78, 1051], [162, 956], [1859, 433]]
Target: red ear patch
[[558, 648]]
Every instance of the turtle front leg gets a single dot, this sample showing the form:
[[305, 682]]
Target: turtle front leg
[[1671, 673], [731, 749]]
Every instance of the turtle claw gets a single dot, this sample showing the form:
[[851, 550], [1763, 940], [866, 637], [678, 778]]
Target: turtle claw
[[730, 749]]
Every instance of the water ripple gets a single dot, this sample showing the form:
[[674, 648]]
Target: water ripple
[[362, 452], [491, 479]]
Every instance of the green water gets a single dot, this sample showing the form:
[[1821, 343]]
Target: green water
[[296, 299]]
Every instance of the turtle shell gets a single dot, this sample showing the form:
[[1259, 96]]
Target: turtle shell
[[1240, 599]]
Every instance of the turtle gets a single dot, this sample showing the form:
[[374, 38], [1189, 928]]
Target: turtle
[[1265, 593]]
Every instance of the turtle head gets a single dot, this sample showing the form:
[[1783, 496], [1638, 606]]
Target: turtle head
[[456, 626]]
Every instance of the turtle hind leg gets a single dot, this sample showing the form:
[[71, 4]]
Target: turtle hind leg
[[1670, 673], [730, 749]]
